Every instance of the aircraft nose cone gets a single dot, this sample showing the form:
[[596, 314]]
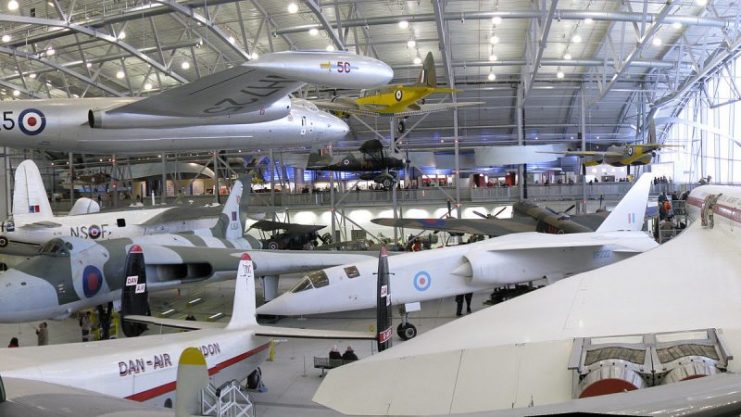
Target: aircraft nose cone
[[279, 306], [338, 128], [24, 297]]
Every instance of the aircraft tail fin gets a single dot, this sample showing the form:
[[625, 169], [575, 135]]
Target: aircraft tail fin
[[630, 212], [243, 311], [134, 293], [383, 303], [29, 196], [428, 77], [234, 214], [191, 380]]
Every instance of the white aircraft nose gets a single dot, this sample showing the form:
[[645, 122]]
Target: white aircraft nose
[[279, 306], [24, 297], [338, 128]]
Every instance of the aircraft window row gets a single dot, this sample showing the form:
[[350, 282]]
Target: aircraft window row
[[316, 279], [352, 272], [55, 247]]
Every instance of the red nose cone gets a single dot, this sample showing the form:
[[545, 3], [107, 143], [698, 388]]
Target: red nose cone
[[384, 251], [245, 257], [136, 249]]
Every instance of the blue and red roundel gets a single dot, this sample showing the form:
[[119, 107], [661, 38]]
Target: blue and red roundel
[[31, 121], [92, 281], [422, 281], [94, 231]]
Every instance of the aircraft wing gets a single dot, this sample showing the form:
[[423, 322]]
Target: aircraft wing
[[183, 213], [508, 357], [341, 106], [269, 225], [587, 153], [266, 331], [39, 225], [436, 107], [174, 323], [489, 227]]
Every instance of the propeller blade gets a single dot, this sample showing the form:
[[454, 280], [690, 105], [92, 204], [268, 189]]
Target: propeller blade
[[499, 212], [569, 209], [480, 214]]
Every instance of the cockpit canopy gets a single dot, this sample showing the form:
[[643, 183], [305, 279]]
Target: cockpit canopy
[[65, 246], [315, 279]]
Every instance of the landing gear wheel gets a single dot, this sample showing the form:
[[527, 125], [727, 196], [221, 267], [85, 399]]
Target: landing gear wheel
[[3, 241], [272, 244], [387, 182], [401, 127], [254, 380], [406, 331]]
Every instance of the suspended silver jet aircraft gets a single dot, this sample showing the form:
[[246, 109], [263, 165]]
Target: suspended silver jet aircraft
[[245, 107]]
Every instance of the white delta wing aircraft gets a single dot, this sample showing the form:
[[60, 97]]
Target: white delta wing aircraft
[[72, 273], [144, 368], [503, 260], [33, 223], [657, 334], [245, 107]]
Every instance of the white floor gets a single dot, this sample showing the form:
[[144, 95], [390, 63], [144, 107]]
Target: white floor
[[291, 379]]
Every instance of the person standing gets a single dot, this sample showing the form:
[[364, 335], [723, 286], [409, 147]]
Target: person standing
[[458, 305], [85, 326], [468, 296], [42, 334]]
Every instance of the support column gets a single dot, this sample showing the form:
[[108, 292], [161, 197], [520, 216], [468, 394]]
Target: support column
[[456, 148], [6, 186], [71, 170], [521, 170], [272, 183], [583, 130], [163, 190], [298, 177], [217, 197], [114, 182]]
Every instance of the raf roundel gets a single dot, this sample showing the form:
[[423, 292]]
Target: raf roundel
[[94, 232], [422, 281], [92, 281], [31, 121]]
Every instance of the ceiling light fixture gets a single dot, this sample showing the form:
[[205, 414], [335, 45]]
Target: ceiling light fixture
[[89, 64], [330, 48], [411, 43], [32, 75], [494, 39], [576, 39], [292, 8], [491, 76], [6, 38], [567, 56], [493, 57], [403, 24], [13, 5], [120, 74], [677, 25], [656, 41], [147, 86], [121, 35], [16, 93], [313, 31], [185, 65], [231, 39], [50, 51], [559, 74], [417, 60], [496, 20], [588, 21], [701, 2]]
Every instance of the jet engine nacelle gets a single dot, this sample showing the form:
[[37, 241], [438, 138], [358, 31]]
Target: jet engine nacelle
[[101, 119], [497, 269]]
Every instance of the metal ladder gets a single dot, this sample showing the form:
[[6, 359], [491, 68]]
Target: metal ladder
[[230, 400]]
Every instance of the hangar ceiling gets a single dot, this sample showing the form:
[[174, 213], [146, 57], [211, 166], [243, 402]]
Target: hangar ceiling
[[620, 62]]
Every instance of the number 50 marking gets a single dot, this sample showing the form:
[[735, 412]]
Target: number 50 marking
[[343, 67]]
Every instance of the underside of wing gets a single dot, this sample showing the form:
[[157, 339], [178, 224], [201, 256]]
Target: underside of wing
[[312, 333], [489, 227], [39, 225], [174, 323], [436, 107], [269, 225], [241, 89], [182, 214]]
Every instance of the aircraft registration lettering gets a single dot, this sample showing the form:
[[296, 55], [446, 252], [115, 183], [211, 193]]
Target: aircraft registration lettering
[[602, 254], [90, 232], [139, 365], [132, 280], [210, 349]]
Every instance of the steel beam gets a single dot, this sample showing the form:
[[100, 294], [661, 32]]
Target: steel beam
[[542, 43], [317, 10]]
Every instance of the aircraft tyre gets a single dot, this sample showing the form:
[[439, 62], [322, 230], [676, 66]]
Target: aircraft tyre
[[272, 244], [254, 380], [387, 182], [3, 241], [401, 126], [406, 331]]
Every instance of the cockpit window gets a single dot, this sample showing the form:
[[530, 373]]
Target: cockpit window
[[316, 279], [55, 247], [352, 271]]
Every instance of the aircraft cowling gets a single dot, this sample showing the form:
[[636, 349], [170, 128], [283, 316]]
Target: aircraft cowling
[[644, 160], [102, 119], [505, 268]]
